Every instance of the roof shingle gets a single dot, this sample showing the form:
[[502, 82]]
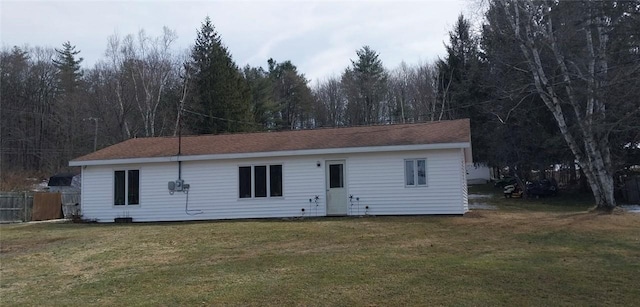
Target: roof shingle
[[454, 131]]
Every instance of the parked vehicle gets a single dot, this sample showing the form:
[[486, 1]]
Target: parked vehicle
[[504, 181], [541, 188], [512, 190], [64, 182]]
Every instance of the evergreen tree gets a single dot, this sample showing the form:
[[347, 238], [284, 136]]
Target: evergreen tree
[[460, 87], [522, 135], [68, 66], [292, 96], [458, 72], [263, 106], [69, 108], [365, 83], [579, 59], [219, 92]]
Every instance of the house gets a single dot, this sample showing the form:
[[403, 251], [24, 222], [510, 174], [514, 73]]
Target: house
[[375, 170], [478, 173]]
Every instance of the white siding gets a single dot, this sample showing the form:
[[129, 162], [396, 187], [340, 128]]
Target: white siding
[[478, 173], [376, 178], [463, 183]]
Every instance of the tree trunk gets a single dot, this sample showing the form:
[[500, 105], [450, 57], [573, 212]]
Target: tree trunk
[[590, 148]]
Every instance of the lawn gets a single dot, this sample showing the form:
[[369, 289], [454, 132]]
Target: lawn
[[508, 257], [564, 201]]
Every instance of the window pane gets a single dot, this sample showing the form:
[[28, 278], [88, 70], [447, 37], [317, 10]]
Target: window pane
[[275, 180], [118, 188], [408, 172], [244, 179], [422, 172], [133, 193], [335, 176], [261, 181]]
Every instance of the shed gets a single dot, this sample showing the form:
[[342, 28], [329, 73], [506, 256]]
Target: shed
[[478, 173], [404, 169]]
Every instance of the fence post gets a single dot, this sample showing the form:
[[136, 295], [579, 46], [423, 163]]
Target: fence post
[[24, 205]]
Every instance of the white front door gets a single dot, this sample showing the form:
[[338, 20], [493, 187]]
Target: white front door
[[336, 190]]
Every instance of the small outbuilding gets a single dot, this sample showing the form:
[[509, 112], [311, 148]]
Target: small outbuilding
[[406, 169], [478, 173]]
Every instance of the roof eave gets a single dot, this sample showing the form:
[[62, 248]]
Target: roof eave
[[285, 153]]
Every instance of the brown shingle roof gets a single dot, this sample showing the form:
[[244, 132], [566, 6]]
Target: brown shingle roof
[[454, 131]]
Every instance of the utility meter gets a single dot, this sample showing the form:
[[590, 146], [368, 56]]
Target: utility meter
[[179, 185]]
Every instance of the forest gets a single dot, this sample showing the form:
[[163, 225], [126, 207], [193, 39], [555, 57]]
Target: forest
[[546, 84]]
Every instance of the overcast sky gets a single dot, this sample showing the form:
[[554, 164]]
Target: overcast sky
[[319, 37]]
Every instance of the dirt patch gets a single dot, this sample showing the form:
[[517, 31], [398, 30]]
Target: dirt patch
[[474, 214]]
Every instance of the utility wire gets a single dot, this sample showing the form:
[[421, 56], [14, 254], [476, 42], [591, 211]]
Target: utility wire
[[220, 118]]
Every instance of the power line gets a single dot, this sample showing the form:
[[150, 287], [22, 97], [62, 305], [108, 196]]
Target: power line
[[220, 118]]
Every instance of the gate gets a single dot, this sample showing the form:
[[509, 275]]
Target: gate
[[15, 207], [47, 206]]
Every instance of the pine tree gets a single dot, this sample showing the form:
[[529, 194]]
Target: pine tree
[[366, 84], [219, 92], [263, 105], [460, 86], [292, 96], [69, 107], [68, 66]]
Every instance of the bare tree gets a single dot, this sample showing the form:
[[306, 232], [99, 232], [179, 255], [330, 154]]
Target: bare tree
[[565, 45], [400, 93], [330, 100], [412, 94], [144, 66], [424, 92]]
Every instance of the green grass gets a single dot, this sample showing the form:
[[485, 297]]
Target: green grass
[[564, 201], [508, 257]]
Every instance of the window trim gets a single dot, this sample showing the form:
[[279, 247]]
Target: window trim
[[253, 180], [126, 188], [415, 173]]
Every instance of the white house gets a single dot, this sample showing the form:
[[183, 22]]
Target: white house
[[478, 173], [374, 170]]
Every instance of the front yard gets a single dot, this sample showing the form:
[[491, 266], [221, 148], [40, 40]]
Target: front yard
[[489, 257]]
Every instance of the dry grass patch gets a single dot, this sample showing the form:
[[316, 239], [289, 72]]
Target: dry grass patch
[[485, 258]]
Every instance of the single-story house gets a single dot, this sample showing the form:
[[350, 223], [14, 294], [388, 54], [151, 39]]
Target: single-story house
[[400, 169]]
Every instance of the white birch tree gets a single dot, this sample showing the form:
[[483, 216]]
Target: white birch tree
[[148, 65], [565, 45]]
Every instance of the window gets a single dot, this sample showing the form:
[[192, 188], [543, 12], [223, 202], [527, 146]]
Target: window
[[335, 176], [275, 179], [260, 181], [126, 187], [415, 172], [245, 182]]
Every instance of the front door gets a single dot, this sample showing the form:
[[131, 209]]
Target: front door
[[336, 190]]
